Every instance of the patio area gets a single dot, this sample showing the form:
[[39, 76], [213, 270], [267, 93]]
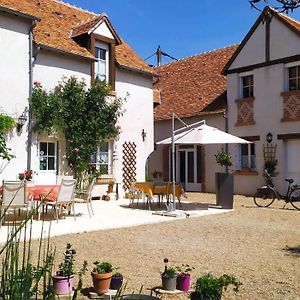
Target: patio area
[[113, 214]]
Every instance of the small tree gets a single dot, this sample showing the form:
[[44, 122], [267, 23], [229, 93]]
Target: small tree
[[280, 5], [86, 117]]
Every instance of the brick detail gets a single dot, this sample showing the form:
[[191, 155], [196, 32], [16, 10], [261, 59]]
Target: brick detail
[[291, 106], [245, 114]]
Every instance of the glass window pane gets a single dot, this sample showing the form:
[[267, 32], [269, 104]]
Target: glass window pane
[[51, 163], [104, 147], [244, 149], [251, 91], [293, 72], [43, 149], [190, 166], [94, 158], [51, 149], [293, 84], [251, 80], [43, 163], [103, 158], [102, 54], [104, 169], [245, 92], [245, 81]]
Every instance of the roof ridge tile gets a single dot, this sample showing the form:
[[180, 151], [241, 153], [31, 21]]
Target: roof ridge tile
[[74, 6]]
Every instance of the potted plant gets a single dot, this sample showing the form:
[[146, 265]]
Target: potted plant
[[101, 275], [184, 277], [169, 277], [116, 280], [63, 279], [224, 181], [110, 186], [211, 287], [270, 167]]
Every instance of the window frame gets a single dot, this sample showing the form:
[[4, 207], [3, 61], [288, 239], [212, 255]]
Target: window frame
[[239, 157], [48, 156], [241, 85], [96, 162], [100, 45]]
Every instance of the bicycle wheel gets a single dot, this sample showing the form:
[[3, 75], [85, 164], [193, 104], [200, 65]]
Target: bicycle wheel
[[264, 197], [295, 198]]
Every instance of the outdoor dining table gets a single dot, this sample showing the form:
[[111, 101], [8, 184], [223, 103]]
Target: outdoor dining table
[[161, 189]]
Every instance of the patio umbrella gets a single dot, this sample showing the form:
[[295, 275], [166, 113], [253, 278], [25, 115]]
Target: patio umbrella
[[204, 134], [196, 134]]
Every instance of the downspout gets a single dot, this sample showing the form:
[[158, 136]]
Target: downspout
[[226, 130], [30, 61]]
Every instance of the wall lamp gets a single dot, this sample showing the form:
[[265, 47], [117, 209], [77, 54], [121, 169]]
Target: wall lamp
[[144, 134], [22, 119], [269, 137]]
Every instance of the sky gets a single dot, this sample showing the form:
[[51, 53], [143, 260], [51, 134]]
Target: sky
[[182, 28]]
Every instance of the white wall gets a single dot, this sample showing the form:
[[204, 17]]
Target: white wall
[[269, 82], [254, 50], [138, 115], [283, 41], [14, 85], [102, 29]]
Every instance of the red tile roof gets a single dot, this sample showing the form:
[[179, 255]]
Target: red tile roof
[[193, 86], [86, 25], [57, 21]]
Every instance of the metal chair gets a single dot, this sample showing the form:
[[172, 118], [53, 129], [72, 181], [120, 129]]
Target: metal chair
[[84, 193], [65, 199], [15, 196]]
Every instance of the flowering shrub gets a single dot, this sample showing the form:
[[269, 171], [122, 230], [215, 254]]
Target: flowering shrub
[[27, 175]]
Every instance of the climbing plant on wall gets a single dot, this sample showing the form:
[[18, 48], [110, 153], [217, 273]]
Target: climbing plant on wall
[[86, 117], [7, 123]]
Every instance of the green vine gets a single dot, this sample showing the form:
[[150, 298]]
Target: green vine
[[85, 116], [7, 123]]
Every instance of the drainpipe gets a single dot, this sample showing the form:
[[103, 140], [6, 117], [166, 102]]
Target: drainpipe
[[30, 61], [226, 130]]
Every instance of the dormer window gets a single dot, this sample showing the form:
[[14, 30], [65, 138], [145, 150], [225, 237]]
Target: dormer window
[[102, 63]]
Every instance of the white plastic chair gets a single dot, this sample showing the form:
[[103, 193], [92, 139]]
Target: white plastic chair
[[15, 196], [85, 194], [65, 198]]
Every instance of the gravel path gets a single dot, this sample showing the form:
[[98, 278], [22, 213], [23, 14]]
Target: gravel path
[[261, 247]]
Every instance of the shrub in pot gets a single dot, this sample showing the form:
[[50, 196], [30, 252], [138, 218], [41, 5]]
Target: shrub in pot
[[63, 279], [116, 281], [101, 275], [211, 287], [169, 277], [184, 277]]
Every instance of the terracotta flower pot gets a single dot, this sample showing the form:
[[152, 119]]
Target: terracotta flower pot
[[63, 285], [101, 282]]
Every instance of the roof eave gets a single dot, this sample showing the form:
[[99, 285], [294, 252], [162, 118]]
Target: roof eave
[[53, 49], [136, 70], [19, 14]]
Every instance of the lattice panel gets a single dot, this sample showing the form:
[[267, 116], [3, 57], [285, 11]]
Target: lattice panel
[[129, 164], [245, 114], [269, 152], [291, 107]]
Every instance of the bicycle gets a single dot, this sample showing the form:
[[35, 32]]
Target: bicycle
[[267, 194]]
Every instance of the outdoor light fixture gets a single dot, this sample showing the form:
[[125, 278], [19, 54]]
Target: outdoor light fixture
[[22, 120], [144, 134], [269, 137]]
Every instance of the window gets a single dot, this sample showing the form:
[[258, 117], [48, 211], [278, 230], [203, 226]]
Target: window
[[247, 86], [294, 78], [101, 65], [243, 157], [47, 156], [101, 160]]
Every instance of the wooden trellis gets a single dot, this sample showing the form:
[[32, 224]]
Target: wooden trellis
[[269, 152], [129, 164]]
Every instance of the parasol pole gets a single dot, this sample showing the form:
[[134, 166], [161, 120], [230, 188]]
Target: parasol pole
[[173, 207]]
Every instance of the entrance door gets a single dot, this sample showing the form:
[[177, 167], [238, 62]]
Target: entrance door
[[293, 159], [187, 169]]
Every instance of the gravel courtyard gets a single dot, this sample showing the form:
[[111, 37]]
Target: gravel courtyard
[[261, 247]]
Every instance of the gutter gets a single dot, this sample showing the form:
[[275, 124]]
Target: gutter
[[136, 70], [30, 63]]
